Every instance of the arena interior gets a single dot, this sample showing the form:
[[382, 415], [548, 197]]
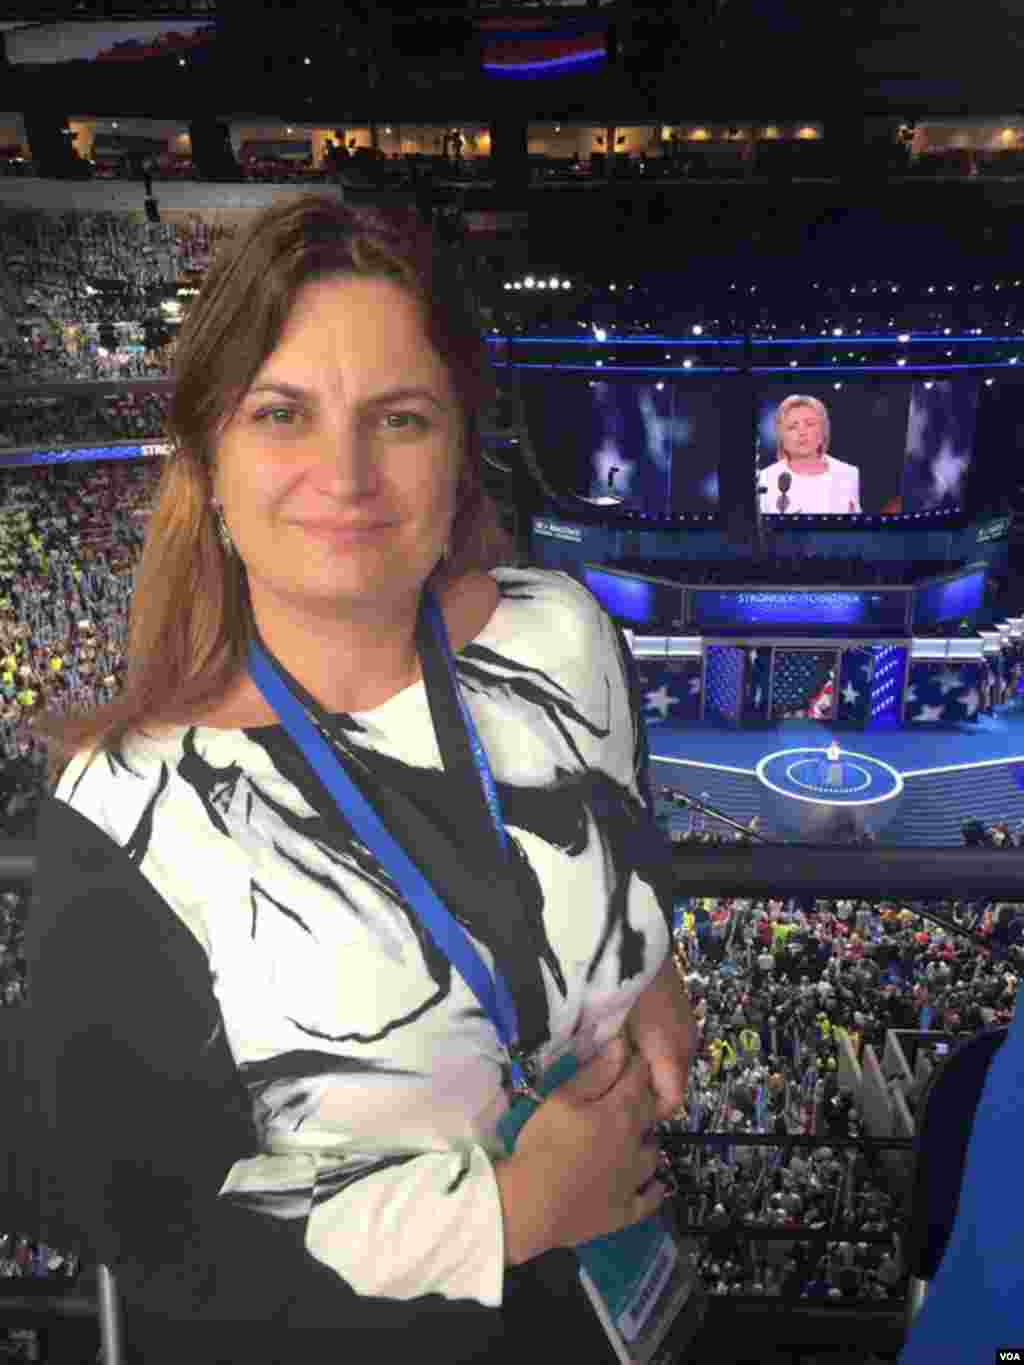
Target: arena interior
[[665, 286]]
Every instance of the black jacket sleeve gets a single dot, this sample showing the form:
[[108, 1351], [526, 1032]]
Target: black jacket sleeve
[[145, 1113]]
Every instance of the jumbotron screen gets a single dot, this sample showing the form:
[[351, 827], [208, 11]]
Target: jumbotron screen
[[648, 447], [873, 446], [634, 601], [950, 599]]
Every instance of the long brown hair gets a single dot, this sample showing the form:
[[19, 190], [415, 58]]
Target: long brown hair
[[190, 618]]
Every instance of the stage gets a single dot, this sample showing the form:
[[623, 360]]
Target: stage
[[909, 784]]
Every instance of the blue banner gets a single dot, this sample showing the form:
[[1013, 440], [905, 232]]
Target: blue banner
[[723, 682], [860, 608], [945, 692], [854, 692], [670, 691]]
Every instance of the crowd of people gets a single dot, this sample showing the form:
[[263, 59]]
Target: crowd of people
[[709, 833], [777, 988], [84, 293], [677, 158], [59, 420], [69, 540], [94, 297]]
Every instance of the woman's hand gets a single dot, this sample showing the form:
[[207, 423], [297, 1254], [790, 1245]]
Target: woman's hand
[[662, 1029]]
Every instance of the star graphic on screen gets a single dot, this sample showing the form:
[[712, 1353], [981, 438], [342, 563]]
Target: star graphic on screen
[[929, 713], [694, 686], [850, 694], [947, 473], [949, 681], [970, 701], [911, 693], [659, 701]]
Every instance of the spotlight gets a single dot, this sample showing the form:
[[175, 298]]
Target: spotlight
[[529, 282]]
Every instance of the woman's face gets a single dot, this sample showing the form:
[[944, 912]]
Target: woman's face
[[339, 490], [802, 433]]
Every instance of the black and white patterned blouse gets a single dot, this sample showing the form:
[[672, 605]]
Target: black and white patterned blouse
[[244, 958]]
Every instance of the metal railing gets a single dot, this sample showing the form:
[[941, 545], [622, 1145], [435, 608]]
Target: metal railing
[[871, 874], [753, 871]]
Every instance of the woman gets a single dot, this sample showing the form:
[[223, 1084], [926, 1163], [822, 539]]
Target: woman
[[816, 482], [272, 1097]]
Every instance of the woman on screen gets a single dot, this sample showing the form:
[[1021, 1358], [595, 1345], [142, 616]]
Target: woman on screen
[[806, 478]]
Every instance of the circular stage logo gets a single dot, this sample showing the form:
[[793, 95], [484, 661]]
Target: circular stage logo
[[829, 777], [844, 778]]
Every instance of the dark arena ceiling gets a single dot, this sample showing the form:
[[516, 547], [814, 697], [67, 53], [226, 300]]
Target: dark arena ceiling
[[731, 56]]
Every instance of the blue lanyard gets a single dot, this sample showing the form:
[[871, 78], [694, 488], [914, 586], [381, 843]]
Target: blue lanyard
[[483, 767], [451, 939]]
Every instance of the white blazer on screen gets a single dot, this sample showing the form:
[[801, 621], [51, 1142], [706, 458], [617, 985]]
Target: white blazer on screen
[[844, 495]]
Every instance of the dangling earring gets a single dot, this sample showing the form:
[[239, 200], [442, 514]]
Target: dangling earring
[[222, 530], [446, 553]]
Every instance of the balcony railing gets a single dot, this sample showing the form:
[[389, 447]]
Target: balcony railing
[[758, 871]]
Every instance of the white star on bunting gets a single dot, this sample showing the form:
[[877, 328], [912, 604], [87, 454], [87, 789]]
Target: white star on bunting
[[659, 701], [970, 701], [927, 713]]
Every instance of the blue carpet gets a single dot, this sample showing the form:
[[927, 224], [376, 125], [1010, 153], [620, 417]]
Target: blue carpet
[[907, 749], [944, 783]]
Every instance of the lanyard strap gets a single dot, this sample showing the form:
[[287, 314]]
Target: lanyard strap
[[468, 737], [492, 993]]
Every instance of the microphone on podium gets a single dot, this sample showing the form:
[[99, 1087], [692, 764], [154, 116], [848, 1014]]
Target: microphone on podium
[[785, 482]]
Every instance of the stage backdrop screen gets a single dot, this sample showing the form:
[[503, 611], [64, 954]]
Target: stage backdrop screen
[[893, 446], [856, 610], [650, 446], [634, 601], [950, 599]]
